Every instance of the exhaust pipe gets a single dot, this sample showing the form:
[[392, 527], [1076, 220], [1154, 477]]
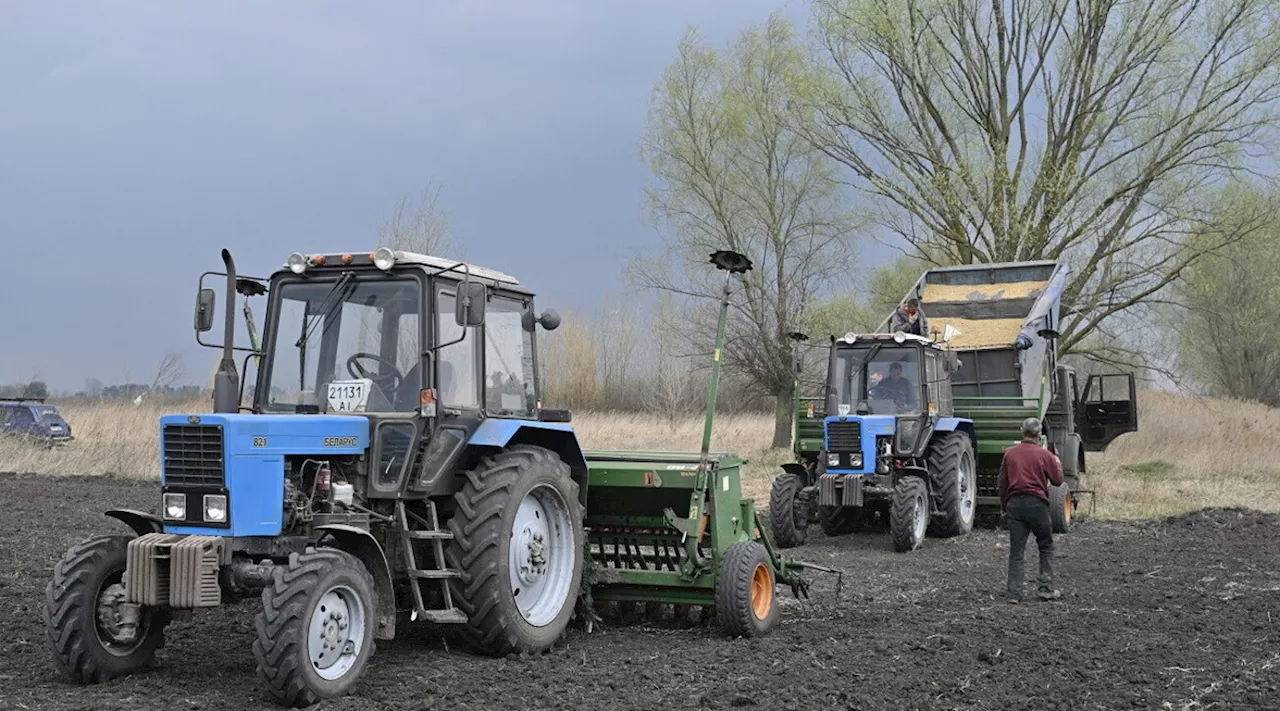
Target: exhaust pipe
[[226, 382]]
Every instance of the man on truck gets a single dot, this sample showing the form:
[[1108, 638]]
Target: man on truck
[[1026, 472], [910, 319]]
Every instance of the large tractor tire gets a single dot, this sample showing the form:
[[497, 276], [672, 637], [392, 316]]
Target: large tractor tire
[[1061, 507], [315, 629], [746, 605], [83, 621], [788, 511], [953, 472], [842, 520], [518, 545], [909, 514]]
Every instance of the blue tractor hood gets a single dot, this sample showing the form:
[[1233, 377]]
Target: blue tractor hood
[[243, 457]]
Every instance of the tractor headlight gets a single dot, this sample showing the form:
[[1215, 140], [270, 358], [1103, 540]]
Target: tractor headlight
[[297, 262], [855, 460], [384, 258], [175, 506], [833, 459], [215, 508]]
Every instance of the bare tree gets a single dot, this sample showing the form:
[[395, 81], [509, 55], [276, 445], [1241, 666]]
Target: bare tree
[[1076, 130], [733, 175], [168, 371], [421, 227]]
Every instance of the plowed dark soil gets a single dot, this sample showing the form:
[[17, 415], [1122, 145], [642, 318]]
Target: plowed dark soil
[[1176, 614]]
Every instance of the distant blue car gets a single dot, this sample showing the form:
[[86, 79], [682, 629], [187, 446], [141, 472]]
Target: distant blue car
[[33, 419]]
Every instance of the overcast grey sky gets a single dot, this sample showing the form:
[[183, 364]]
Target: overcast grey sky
[[139, 138]]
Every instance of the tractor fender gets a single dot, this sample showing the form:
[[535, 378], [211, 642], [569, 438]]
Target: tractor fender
[[555, 436], [799, 470], [364, 546], [916, 472], [956, 424], [141, 523]]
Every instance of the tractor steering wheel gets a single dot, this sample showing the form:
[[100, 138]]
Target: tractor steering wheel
[[394, 375]]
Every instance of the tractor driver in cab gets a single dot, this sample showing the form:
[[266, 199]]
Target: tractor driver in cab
[[910, 319], [896, 388]]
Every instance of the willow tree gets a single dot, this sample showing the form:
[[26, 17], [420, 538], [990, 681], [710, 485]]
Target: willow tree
[[1229, 303], [1076, 130], [732, 174]]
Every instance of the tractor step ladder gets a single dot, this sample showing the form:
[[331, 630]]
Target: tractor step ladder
[[429, 530]]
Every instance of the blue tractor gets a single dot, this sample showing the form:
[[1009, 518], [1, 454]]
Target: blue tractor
[[392, 463], [889, 447]]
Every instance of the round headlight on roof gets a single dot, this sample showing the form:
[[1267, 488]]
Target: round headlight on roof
[[297, 262], [850, 337], [900, 337], [384, 258]]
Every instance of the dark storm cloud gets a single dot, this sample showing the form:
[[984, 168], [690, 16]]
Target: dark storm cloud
[[139, 138]]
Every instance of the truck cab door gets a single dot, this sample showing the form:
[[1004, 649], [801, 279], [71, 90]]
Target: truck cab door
[[1108, 409]]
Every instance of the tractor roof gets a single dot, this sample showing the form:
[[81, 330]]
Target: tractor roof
[[323, 260]]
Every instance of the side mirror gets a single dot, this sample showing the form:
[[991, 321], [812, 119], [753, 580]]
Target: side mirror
[[470, 304], [205, 302]]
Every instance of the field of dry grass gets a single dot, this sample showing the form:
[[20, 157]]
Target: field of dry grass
[[1189, 452]]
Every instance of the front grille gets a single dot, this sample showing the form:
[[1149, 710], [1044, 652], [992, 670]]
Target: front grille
[[192, 455], [844, 436]]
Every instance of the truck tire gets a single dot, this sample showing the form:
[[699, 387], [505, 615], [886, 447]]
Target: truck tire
[[323, 594], [788, 511], [909, 514], [85, 646], [954, 475], [746, 605], [1070, 458], [522, 497], [1061, 507]]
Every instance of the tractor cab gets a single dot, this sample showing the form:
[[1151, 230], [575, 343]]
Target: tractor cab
[[883, 393]]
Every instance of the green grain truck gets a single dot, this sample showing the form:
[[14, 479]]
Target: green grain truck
[[1001, 320]]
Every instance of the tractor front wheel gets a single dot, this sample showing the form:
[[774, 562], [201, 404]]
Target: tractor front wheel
[[95, 635], [788, 510], [955, 481], [909, 514], [315, 629], [518, 546], [746, 605]]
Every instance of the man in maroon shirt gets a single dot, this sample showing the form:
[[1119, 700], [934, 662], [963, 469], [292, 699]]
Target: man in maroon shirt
[[1023, 485]]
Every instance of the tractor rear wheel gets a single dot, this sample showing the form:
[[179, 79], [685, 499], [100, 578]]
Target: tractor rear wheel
[[1061, 507], [92, 637], [315, 629], [788, 510], [909, 514], [955, 483], [841, 520], [746, 605], [518, 547]]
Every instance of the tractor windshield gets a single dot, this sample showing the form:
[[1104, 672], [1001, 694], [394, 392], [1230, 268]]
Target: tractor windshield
[[885, 377], [332, 331]]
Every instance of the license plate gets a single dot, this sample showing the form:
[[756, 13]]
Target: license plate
[[349, 395]]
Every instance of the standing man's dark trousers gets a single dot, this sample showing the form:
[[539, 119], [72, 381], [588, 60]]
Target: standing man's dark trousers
[[1028, 515]]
